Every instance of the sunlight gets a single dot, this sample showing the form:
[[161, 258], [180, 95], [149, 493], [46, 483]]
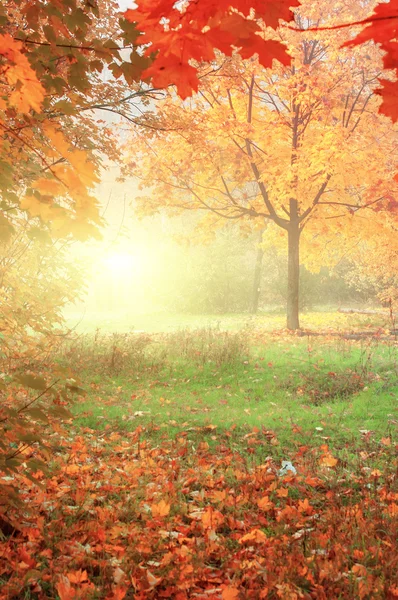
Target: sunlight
[[121, 263]]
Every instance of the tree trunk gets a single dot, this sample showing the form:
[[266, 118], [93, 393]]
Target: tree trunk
[[293, 275], [257, 277]]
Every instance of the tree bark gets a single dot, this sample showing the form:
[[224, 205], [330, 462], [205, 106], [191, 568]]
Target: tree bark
[[257, 277], [293, 269]]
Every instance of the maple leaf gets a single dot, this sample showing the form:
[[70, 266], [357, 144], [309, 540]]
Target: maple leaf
[[267, 50], [389, 94], [29, 92], [256, 535], [72, 469], [265, 503], [390, 59], [328, 460], [270, 11], [152, 580], [118, 593], [64, 589], [194, 32], [161, 509], [386, 441], [77, 576], [212, 518], [167, 71], [48, 186], [230, 593], [359, 570], [305, 507], [381, 26]]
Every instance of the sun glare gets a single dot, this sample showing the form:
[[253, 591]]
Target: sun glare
[[120, 263]]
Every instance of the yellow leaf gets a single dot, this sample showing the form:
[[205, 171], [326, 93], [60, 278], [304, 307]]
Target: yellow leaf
[[328, 460], [256, 536], [161, 509], [52, 187], [36, 208]]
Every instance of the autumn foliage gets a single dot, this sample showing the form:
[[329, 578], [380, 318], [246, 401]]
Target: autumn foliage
[[87, 515], [179, 34]]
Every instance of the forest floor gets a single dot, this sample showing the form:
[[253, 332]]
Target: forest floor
[[221, 465]]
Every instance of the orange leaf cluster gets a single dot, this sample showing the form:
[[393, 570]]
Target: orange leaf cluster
[[26, 92], [177, 34]]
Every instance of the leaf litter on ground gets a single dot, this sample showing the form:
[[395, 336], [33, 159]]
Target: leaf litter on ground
[[124, 516]]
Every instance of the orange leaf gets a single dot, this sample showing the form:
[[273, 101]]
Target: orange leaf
[[152, 580], [230, 593], [211, 518], [256, 535], [77, 576], [72, 469], [161, 509], [359, 570], [64, 589], [328, 460], [265, 503]]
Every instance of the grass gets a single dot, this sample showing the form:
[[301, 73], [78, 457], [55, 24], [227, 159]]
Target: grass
[[304, 391]]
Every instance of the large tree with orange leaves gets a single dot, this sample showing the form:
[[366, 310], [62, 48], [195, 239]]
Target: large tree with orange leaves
[[300, 147]]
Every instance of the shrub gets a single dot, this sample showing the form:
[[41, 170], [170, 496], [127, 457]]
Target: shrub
[[208, 345], [113, 353]]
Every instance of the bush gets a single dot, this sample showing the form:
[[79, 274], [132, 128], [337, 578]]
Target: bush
[[113, 353], [208, 345], [323, 387]]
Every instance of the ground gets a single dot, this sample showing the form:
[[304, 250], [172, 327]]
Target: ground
[[169, 481]]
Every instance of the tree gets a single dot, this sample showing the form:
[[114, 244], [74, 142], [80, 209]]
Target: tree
[[52, 143], [285, 146], [63, 67]]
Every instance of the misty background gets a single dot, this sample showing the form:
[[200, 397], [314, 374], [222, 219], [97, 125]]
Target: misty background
[[162, 264]]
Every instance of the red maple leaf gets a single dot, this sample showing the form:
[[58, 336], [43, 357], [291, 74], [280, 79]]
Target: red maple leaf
[[178, 35], [382, 26], [389, 93]]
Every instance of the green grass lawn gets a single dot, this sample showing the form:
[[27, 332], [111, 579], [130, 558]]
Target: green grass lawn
[[306, 391]]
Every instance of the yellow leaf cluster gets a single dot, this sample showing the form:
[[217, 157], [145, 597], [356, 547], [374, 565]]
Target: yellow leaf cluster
[[26, 91]]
